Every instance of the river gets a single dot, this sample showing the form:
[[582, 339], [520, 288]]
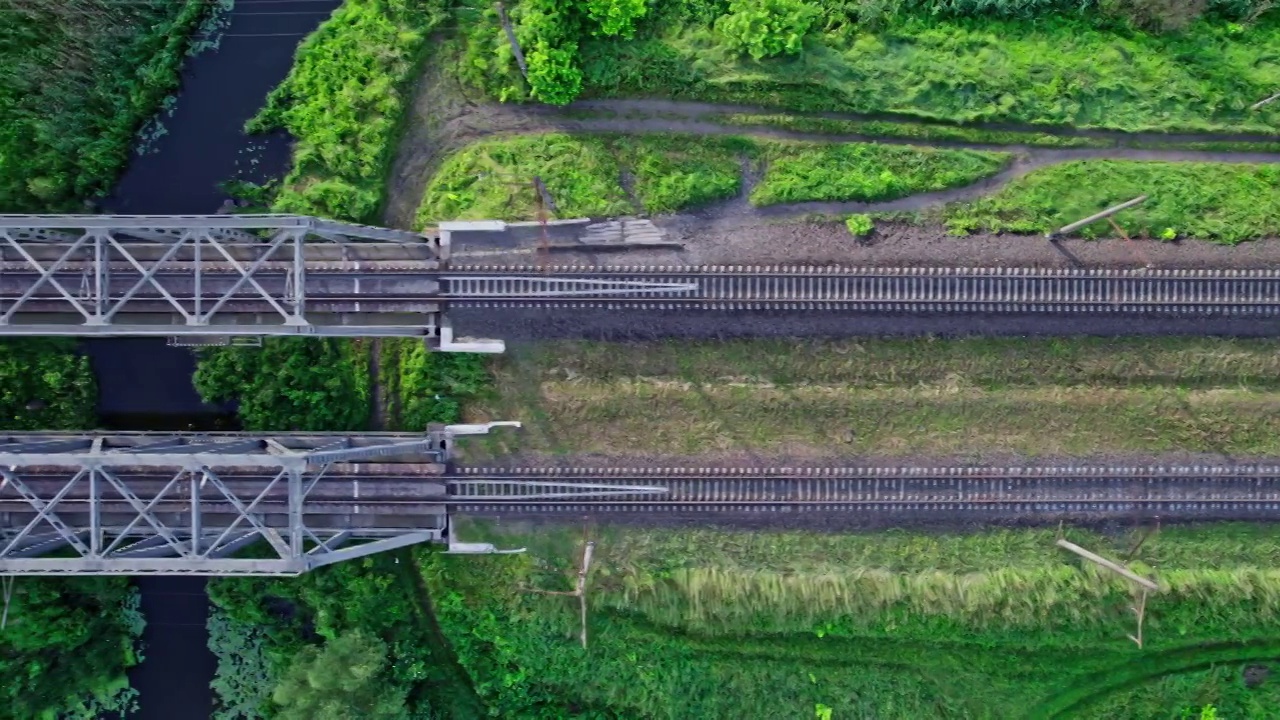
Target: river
[[145, 384]]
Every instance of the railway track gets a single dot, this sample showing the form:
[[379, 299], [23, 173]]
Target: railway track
[[1254, 293], [1176, 492]]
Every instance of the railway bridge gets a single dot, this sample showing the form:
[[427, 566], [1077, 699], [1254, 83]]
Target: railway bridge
[[282, 504], [213, 278]]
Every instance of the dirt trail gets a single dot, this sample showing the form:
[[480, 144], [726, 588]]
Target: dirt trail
[[445, 118], [734, 231]]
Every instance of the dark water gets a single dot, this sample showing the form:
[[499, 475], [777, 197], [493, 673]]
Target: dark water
[[146, 385]]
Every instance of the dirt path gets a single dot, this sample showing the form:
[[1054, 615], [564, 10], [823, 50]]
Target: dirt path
[[446, 118], [734, 231]]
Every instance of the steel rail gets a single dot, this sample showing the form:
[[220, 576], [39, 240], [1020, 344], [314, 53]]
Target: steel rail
[[1045, 290], [1193, 491]]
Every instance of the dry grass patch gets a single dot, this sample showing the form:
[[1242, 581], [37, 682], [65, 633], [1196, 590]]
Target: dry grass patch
[[895, 397]]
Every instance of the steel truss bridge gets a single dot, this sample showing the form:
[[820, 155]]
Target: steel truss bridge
[[237, 503], [213, 278]]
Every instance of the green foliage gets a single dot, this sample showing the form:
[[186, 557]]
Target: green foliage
[[859, 225], [799, 172], [377, 597], [616, 17], [767, 28], [1227, 203], [45, 384], [290, 383], [656, 650], [554, 76], [491, 179], [77, 80], [674, 172], [430, 387], [66, 646], [342, 680], [244, 668], [343, 102], [1064, 71]]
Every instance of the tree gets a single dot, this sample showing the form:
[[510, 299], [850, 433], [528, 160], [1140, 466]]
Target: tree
[[342, 680], [765, 28]]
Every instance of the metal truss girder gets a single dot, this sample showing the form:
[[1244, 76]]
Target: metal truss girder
[[153, 503], [222, 275]]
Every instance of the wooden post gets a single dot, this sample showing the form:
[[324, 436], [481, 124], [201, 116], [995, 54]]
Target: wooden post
[[1113, 567], [582, 588], [511, 38], [1093, 218], [1260, 103], [1140, 609]]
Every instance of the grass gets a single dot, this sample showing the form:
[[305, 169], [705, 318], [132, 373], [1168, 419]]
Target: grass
[[424, 387], [77, 80], [1058, 72], [908, 397], [492, 179], [899, 624], [1226, 203], [343, 101], [606, 175], [802, 172], [906, 130]]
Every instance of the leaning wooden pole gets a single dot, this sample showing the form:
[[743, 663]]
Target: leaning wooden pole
[[1260, 103], [1112, 566], [1094, 218], [511, 38]]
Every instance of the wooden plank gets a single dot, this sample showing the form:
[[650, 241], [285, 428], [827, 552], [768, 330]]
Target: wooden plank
[[1113, 567]]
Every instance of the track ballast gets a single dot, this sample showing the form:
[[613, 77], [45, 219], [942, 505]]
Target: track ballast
[[1252, 293], [1183, 492]]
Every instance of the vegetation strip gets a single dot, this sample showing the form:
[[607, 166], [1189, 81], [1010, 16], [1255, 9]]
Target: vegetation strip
[[1069, 67], [893, 397], [77, 80], [773, 624]]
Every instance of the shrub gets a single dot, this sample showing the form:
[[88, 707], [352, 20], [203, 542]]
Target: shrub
[[617, 17], [766, 28], [859, 225], [1160, 15], [554, 76]]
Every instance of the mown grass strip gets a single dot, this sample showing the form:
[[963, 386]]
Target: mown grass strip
[[1226, 203], [896, 397]]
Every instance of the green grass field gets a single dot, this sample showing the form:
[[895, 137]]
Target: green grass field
[[1222, 202], [908, 397], [999, 624]]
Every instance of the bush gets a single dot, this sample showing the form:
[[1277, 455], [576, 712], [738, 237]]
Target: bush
[[554, 77], [343, 102], [766, 28], [617, 17], [77, 80], [859, 225], [341, 680], [290, 383]]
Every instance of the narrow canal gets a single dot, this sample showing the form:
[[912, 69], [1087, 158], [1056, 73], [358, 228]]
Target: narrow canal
[[143, 383]]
